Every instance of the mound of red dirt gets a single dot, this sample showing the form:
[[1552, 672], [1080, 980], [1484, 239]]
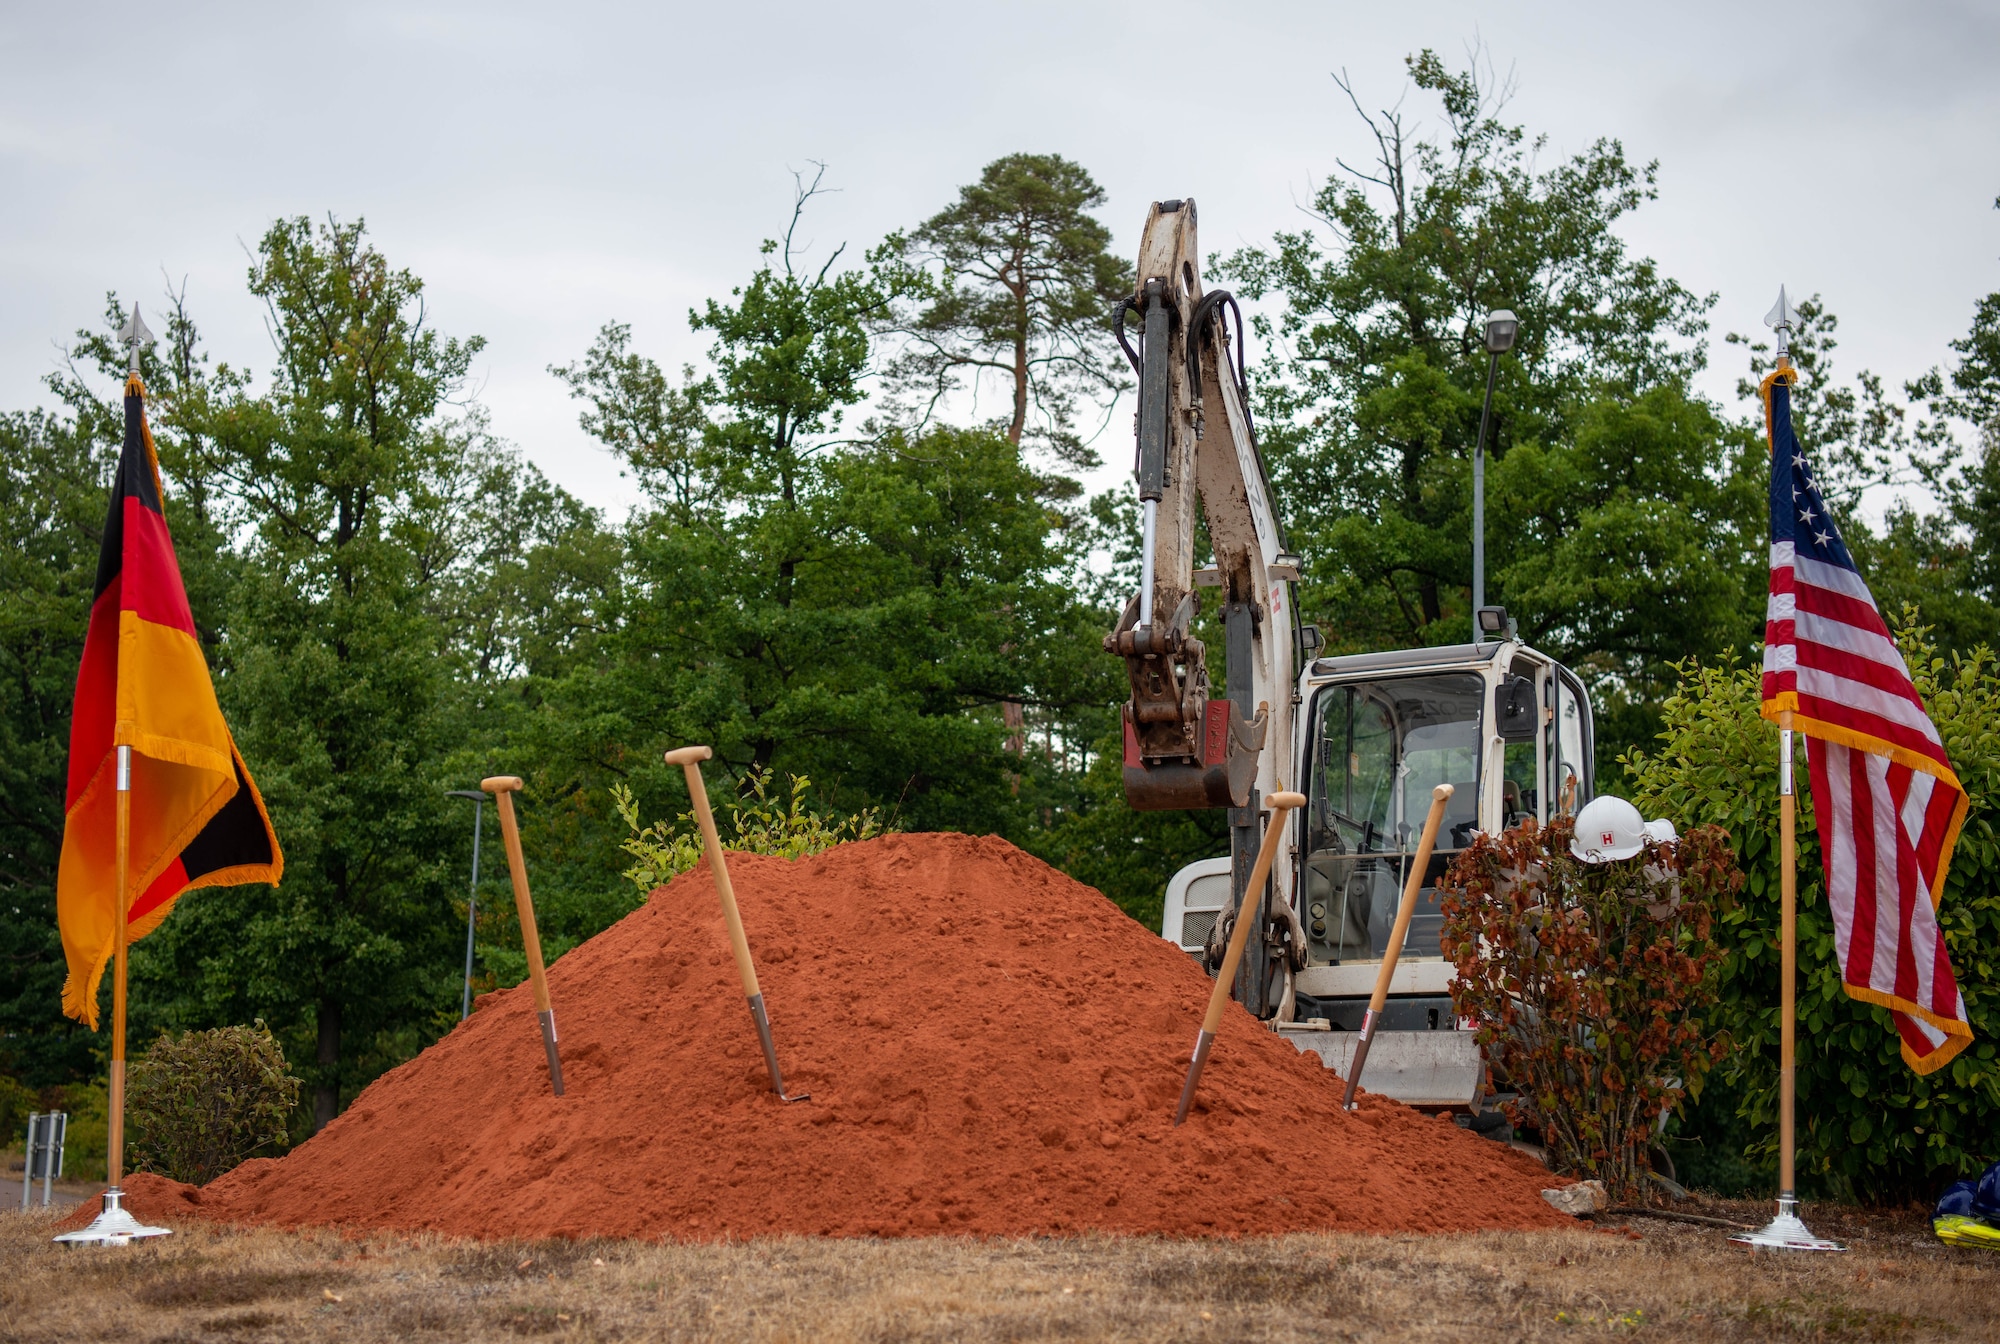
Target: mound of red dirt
[[991, 1047]]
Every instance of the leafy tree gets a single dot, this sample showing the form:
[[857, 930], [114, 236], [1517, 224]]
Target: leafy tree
[[54, 480], [1930, 554], [1949, 560], [337, 677], [854, 612], [1015, 279], [1639, 537], [1856, 436], [636, 412], [1372, 394]]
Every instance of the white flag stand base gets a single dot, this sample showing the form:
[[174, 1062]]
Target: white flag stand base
[[1786, 1233], [113, 1227]]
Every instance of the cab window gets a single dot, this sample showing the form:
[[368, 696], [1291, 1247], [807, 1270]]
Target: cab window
[[1570, 761], [1380, 748], [1522, 758]]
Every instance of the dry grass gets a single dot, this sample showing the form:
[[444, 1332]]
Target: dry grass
[[1672, 1283]]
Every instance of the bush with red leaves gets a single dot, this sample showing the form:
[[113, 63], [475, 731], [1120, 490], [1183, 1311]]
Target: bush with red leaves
[[1591, 984]]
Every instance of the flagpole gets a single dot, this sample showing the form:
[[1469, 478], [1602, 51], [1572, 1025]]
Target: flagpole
[[1786, 1231], [114, 1150], [1788, 926]]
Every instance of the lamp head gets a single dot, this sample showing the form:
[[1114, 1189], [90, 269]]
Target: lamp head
[[1496, 623], [1501, 328]]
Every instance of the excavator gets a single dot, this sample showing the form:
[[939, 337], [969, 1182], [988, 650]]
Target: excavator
[[1365, 736]]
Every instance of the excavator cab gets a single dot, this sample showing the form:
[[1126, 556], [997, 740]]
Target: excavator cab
[[1507, 727], [1510, 729]]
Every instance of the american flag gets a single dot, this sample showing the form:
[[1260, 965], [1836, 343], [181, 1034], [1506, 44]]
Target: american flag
[[1888, 803]]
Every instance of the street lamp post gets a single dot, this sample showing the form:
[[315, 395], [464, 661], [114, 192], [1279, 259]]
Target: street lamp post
[[1501, 327], [472, 897]]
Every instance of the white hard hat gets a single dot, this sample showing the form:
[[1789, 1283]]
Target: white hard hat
[[1607, 828], [1661, 832]]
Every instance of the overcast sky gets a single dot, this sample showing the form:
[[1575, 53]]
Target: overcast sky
[[548, 168]]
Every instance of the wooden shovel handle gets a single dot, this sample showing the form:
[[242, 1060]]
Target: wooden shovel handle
[[1282, 805], [689, 759], [503, 788], [1439, 797]]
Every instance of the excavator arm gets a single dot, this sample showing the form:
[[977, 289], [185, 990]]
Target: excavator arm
[[1185, 747]]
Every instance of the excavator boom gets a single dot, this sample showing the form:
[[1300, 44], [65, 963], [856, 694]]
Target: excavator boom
[[1184, 747]]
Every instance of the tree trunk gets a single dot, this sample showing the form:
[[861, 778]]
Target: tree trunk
[[1020, 421], [326, 1097]]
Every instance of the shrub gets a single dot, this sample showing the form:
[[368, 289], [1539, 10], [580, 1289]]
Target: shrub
[[88, 1136], [201, 1102], [17, 1102], [760, 825], [1588, 984], [1867, 1127]]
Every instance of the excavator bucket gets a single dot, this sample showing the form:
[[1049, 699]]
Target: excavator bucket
[[1220, 778], [1431, 1070]]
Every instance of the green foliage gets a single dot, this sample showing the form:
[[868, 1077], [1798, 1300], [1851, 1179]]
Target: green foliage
[[1590, 984], [906, 611], [353, 494], [201, 1102], [88, 1137], [1371, 398], [757, 823], [856, 613], [53, 485], [1868, 1127], [366, 566], [17, 1103]]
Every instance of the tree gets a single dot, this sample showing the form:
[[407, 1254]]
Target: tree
[[54, 479], [1014, 279], [1638, 538], [638, 414], [856, 612], [1934, 554], [55, 470], [1372, 395], [1627, 531], [1949, 560]]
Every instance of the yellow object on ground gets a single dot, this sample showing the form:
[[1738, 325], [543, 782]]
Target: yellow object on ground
[[1958, 1229]]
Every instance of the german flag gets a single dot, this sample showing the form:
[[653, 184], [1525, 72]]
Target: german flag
[[197, 819]]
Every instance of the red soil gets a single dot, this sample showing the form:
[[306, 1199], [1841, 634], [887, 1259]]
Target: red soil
[[991, 1047]]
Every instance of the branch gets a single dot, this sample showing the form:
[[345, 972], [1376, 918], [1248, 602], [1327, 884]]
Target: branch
[[801, 193]]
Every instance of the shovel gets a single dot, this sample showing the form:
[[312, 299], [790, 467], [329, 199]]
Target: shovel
[[1246, 915], [689, 759], [503, 788], [1439, 796]]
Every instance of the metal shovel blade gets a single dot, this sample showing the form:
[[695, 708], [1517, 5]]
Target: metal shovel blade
[[1202, 1043], [548, 1021], [763, 1021]]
